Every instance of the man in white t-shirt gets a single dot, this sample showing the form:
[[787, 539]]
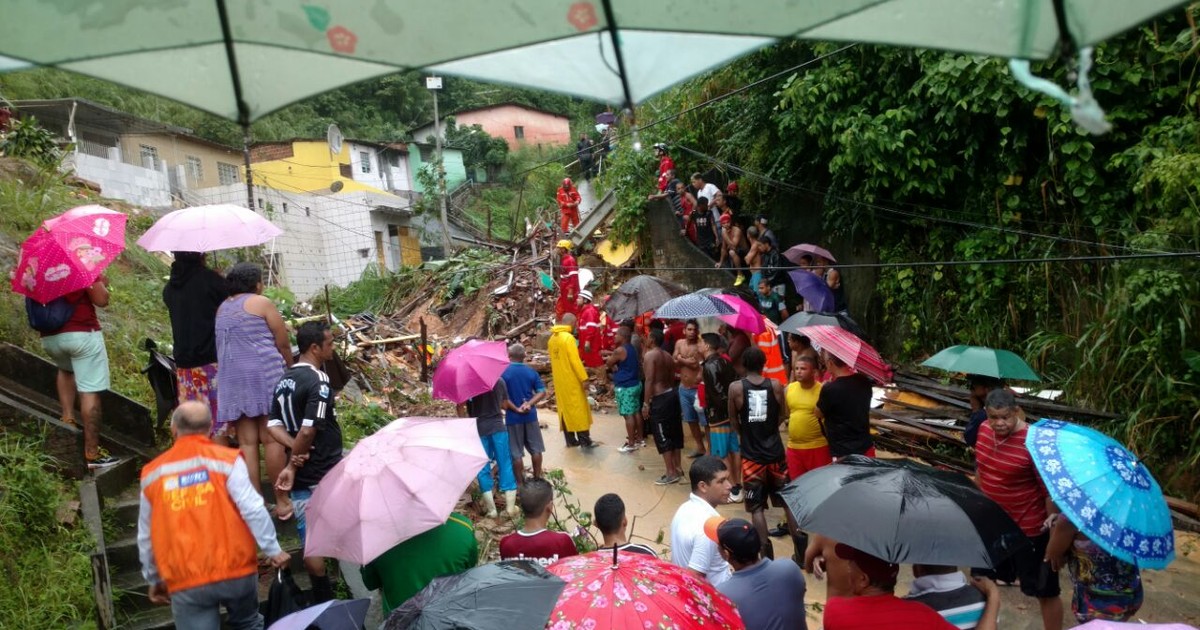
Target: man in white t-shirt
[[704, 189], [691, 548]]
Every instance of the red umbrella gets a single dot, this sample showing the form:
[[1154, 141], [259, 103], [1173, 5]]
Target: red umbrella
[[67, 253], [844, 345], [629, 590], [746, 318], [470, 370]]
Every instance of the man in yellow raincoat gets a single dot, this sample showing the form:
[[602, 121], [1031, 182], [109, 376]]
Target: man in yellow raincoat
[[570, 378]]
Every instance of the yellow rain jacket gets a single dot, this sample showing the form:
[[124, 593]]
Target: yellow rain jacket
[[569, 376]]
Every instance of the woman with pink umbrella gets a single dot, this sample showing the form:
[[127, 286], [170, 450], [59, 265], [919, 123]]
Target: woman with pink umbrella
[[61, 274]]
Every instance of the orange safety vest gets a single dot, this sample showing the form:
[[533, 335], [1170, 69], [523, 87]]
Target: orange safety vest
[[768, 342], [197, 533]]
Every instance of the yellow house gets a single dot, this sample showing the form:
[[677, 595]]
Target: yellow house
[[371, 179]]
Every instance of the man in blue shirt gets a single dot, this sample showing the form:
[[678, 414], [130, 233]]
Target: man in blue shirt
[[769, 594], [525, 391]]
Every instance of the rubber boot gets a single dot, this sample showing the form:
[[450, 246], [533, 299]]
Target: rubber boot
[[489, 502], [510, 503], [322, 588]]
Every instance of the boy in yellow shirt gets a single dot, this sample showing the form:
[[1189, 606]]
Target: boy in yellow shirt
[[807, 447]]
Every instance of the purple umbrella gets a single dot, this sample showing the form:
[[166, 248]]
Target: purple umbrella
[[470, 370], [813, 289], [796, 251]]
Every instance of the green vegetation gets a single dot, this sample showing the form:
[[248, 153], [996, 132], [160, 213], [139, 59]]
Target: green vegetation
[[896, 155], [28, 140], [46, 563], [383, 109], [526, 189]]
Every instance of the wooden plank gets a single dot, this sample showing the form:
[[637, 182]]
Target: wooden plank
[[917, 425]]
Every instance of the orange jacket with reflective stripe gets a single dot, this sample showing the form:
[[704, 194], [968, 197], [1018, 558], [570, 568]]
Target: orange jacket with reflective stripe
[[196, 530], [768, 342]]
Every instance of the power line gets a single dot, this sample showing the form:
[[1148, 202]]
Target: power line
[[912, 215], [715, 99], [960, 263]]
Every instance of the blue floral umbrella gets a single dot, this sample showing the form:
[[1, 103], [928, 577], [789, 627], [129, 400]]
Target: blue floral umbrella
[[1105, 490]]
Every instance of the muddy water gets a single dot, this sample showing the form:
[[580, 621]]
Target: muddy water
[[1171, 596]]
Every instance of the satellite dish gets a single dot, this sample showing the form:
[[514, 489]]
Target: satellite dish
[[337, 186], [335, 138]]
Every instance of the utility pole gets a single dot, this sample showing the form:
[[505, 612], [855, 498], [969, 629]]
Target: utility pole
[[433, 84]]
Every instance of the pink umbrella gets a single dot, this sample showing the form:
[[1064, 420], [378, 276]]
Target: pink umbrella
[[402, 481], [470, 370], [208, 228], [745, 318], [795, 252], [67, 253]]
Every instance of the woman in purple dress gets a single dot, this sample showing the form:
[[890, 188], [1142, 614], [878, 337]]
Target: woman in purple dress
[[253, 350]]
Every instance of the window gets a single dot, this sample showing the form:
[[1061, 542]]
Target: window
[[307, 211], [364, 159], [149, 156], [261, 205], [228, 173], [519, 132], [195, 169], [285, 207]]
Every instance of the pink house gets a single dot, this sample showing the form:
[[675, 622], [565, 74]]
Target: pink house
[[517, 124]]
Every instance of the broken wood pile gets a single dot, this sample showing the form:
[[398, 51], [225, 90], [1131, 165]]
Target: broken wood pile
[[924, 418]]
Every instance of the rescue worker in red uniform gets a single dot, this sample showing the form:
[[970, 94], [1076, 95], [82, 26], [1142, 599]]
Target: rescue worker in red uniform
[[568, 205], [568, 281], [591, 338], [666, 166]]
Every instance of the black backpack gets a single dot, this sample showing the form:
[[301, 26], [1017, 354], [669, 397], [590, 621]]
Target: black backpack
[[49, 317]]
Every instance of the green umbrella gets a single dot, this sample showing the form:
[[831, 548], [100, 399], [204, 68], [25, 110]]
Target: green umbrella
[[244, 59], [982, 361]]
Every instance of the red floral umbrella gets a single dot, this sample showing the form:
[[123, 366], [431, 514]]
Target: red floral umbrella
[[634, 591], [68, 252]]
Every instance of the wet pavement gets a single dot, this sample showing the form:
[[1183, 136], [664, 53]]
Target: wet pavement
[[1171, 596]]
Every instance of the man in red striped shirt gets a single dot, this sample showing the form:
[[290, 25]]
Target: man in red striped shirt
[[1004, 472]]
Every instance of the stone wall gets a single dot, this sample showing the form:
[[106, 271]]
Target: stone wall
[[670, 252]]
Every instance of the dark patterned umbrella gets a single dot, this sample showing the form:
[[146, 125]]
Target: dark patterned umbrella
[[516, 595], [641, 294], [693, 306]]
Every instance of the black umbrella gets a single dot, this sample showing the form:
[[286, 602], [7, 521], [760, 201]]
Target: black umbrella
[[794, 323], [904, 512], [511, 595], [641, 294]]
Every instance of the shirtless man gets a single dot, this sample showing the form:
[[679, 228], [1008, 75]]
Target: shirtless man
[[663, 418], [688, 357], [737, 247]]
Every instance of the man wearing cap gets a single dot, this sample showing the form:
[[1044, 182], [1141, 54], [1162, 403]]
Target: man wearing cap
[[872, 604], [591, 338], [768, 594], [568, 205], [732, 198], [568, 281], [690, 547]]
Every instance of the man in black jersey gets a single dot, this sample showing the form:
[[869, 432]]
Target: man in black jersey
[[303, 419], [756, 407]]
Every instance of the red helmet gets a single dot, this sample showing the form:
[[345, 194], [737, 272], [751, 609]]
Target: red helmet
[[567, 183]]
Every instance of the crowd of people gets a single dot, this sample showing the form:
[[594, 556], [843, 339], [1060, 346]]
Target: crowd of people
[[760, 411]]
